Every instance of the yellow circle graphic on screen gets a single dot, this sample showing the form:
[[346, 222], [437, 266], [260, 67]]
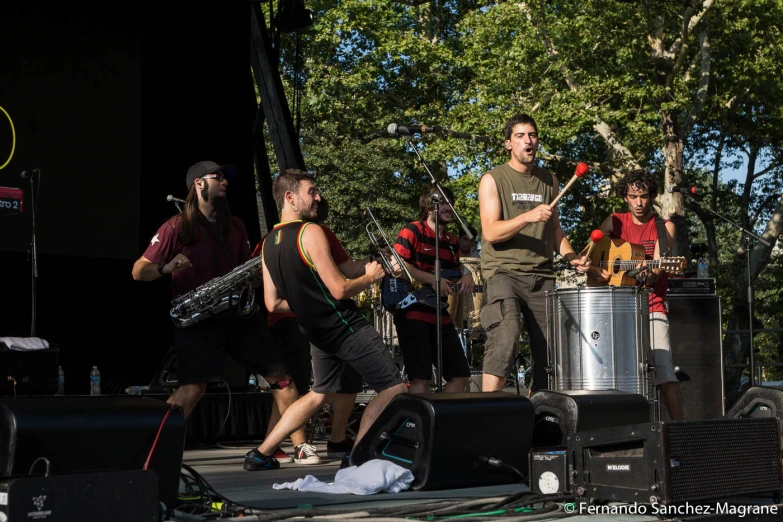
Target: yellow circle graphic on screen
[[13, 138]]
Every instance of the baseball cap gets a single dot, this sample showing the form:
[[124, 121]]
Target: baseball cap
[[207, 167]]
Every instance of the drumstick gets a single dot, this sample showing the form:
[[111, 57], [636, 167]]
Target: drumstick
[[595, 237], [581, 170]]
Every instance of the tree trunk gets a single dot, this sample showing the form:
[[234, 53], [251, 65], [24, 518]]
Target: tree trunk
[[671, 205]]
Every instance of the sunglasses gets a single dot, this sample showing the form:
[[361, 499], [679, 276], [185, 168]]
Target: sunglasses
[[218, 176]]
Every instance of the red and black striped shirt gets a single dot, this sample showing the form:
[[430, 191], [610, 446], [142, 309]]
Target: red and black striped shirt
[[416, 245]]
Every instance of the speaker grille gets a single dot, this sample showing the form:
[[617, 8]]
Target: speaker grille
[[709, 460]]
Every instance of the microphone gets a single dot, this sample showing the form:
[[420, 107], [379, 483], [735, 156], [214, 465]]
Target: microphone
[[685, 190], [30, 173], [172, 198], [634, 273], [402, 130]]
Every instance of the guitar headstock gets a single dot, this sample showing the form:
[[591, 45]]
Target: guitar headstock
[[674, 264]]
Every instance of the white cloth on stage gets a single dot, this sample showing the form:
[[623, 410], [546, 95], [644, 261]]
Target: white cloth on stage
[[371, 477]]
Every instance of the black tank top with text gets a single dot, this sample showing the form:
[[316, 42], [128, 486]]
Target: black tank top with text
[[326, 321]]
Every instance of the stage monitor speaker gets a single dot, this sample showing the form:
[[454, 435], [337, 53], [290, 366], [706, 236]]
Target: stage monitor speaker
[[676, 462], [560, 412], [84, 434], [697, 349], [447, 439], [759, 402]]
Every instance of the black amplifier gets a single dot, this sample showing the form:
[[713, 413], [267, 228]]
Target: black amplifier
[[34, 371], [116, 496], [692, 286], [677, 462]]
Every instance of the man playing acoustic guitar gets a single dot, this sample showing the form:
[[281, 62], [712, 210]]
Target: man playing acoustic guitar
[[639, 226], [416, 326]]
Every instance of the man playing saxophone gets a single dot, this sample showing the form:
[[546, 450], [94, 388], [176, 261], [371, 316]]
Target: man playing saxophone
[[193, 248]]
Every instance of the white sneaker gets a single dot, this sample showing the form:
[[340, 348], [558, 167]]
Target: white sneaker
[[305, 454]]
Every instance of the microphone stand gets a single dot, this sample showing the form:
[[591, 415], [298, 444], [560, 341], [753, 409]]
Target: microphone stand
[[746, 242], [436, 200], [435, 182], [34, 256]]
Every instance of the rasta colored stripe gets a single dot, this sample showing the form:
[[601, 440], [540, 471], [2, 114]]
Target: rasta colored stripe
[[301, 247]]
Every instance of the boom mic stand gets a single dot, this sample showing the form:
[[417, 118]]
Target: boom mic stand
[[34, 175], [746, 242], [437, 199]]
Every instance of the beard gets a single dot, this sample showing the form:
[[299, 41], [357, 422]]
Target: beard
[[222, 212]]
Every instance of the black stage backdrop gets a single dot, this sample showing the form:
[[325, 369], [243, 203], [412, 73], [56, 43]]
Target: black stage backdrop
[[113, 104]]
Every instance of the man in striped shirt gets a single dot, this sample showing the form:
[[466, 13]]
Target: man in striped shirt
[[416, 326]]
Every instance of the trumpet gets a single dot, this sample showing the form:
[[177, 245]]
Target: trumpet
[[376, 245]]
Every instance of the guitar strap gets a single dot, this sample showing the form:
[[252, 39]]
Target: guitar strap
[[663, 237]]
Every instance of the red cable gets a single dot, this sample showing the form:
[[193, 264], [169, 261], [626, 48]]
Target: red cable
[[155, 443]]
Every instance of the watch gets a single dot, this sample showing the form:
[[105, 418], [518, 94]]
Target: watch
[[160, 268]]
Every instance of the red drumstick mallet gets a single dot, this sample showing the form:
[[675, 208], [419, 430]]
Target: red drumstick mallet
[[595, 237], [580, 171]]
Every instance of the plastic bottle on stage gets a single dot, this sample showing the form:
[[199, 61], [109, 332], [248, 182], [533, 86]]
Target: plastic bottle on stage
[[703, 269], [60, 382], [95, 381], [252, 383], [136, 390]]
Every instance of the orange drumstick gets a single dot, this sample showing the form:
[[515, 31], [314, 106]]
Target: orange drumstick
[[581, 170], [595, 237]]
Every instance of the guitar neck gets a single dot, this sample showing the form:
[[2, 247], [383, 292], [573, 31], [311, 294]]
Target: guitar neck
[[627, 265]]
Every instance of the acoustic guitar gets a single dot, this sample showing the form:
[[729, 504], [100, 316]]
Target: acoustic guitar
[[618, 257]]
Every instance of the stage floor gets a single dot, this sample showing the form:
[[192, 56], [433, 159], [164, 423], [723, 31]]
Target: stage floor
[[221, 467]]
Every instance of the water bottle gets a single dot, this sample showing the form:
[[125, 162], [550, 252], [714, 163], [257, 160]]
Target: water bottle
[[703, 269], [95, 381], [60, 382], [136, 390], [252, 383]]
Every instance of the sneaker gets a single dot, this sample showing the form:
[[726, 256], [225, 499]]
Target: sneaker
[[305, 454], [346, 461], [257, 461], [336, 450], [282, 457]]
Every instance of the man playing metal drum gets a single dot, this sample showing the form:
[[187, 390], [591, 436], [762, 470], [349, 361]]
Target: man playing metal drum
[[639, 226], [520, 235]]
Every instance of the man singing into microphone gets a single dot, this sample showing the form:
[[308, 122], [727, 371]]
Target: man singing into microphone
[[520, 235], [190, 249], [639, 226]]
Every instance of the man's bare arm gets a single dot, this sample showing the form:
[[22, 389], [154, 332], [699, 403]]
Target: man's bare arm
[[272, 299], [316, 247]]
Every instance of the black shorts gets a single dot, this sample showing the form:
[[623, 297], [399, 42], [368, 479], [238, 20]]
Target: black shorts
[[419, 344], [365, 352], [202, 348], [297, 350]]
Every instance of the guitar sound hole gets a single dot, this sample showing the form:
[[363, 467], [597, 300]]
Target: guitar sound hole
[[616, 266]]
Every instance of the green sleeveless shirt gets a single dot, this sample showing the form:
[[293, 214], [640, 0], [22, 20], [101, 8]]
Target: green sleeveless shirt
[[532, 249]]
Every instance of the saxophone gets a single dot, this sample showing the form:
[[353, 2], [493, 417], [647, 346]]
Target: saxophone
[[218, 295]]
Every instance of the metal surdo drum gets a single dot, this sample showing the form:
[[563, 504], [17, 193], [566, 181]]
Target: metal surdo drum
[[599, 339]]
